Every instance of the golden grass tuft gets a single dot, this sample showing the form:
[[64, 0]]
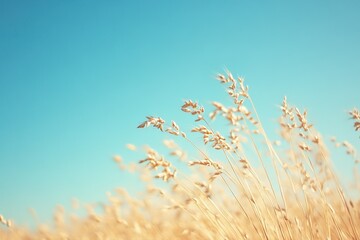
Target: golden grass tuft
[[241, 184]]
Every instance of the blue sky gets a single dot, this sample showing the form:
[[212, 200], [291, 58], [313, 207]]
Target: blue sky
[[77, 77]]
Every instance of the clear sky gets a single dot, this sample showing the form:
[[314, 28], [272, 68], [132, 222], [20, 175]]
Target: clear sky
[[77, 77]]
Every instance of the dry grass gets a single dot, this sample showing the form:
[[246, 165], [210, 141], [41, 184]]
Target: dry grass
[[243, 186]]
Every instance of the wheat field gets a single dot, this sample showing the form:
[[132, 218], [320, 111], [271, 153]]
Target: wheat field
[[236, 183]]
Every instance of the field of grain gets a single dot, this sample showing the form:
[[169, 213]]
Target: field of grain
[[235, 184]]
